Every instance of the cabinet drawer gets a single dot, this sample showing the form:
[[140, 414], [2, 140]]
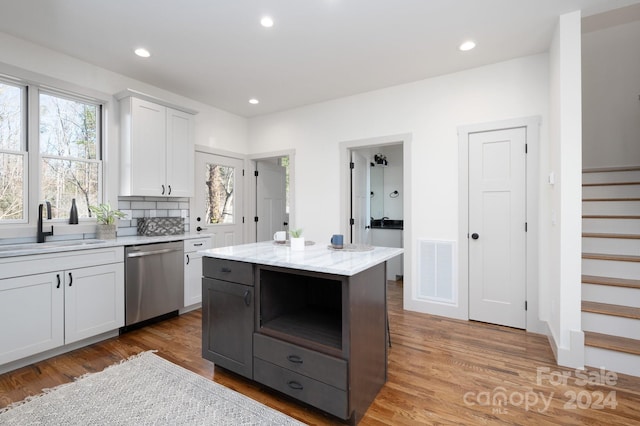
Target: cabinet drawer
[[315, 365], [197, 244], [303, 388], [228, 270]]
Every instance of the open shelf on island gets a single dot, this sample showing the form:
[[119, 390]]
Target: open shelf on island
[[303, 309]]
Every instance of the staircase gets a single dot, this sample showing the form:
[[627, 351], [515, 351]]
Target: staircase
[[611, 268]]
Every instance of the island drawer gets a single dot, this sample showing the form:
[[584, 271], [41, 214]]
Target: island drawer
[[303, 388], [315, 365], [228, 270]]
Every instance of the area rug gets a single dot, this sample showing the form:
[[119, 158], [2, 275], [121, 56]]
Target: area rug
[[143, 390]]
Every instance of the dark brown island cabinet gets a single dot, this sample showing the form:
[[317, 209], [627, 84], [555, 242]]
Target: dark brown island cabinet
[[318, 337]]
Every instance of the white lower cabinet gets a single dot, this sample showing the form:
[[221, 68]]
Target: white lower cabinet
[[50, 309], [31, 313], [93, 301], [193, 269]]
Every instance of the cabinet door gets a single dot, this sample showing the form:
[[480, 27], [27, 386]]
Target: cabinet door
[[148, 148], [192, 278], [31, 314], [94, 301], [227, 325], [180, 154]]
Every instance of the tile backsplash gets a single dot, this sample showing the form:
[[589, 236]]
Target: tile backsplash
[[145, 207]]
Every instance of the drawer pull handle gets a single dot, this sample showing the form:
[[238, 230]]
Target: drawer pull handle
[[197, 244], [295, 385], [295, 359], [247, 298], [225, 269]]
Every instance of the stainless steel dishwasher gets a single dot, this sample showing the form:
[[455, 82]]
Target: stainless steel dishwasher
[[154, 280]]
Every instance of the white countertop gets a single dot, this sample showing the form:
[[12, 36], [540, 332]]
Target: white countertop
[[317, 257], [26, 249]]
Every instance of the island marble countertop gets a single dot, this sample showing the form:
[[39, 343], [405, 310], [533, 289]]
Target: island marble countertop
[[317, 257]]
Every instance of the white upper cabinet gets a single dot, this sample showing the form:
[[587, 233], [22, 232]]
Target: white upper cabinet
[[157, 151]]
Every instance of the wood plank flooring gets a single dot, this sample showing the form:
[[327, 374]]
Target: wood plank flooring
[[441, 371]]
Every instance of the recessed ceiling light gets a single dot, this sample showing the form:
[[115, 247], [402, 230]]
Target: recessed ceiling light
[[143, 53], [254, 101], [266, 22], [467, 45]]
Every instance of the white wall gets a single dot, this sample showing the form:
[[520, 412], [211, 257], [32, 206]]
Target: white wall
[[610, 90], [560, 291], [428, 110]]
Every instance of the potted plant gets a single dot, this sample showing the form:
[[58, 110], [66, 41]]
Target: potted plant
[[106, 217], [297, 240]]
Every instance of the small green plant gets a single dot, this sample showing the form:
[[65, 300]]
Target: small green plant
[[295, 233], [105, 214]]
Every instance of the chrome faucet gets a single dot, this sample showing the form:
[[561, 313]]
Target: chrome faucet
[[42, 235]]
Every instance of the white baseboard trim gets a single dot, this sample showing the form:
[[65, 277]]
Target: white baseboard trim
[[572, 356]]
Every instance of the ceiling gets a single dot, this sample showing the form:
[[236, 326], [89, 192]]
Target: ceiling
[[216, 51]]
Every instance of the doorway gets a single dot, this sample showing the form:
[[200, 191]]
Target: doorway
[[498, 222], [376, 201], [217, 203], [272, 201]]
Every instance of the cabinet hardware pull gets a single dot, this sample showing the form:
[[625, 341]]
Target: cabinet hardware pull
[[197, 244], [225, 269], [169, 190], [70, 279], [162, 190], [247, 298], [295, 385], [58, 276], [200, 228], [187, 259], [295, 359]]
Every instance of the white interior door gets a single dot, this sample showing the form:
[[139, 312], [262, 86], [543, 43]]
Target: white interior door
[[270, 199], [497, 217], [217, 204], [359, 199]]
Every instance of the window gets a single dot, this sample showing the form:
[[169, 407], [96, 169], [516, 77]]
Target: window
[[70, 166], [220, 181], [13, 154]]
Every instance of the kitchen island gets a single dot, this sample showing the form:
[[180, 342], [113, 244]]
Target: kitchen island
[[311, 324]]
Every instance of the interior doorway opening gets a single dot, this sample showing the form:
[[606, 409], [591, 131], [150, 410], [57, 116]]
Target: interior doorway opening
[[273, 190]]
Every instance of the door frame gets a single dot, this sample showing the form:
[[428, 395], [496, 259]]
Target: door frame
[[532, 126], [252, 189]]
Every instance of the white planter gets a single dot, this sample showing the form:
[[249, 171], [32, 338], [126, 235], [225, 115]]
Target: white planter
[[105, 232], [297, 243]]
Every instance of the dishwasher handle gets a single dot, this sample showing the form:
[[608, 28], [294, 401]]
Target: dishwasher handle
[[151, 253]]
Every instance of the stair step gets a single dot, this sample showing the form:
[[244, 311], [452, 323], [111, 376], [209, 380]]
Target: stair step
[[615, 191], [609, 184], [604, 216], [616, 282], [614, 343], [612, 169], [605, 235], [616, 257], [612, 199], [612, 207], [608, 309]]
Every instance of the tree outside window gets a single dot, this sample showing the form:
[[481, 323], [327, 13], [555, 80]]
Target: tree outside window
[[12, 153], [70, 154]]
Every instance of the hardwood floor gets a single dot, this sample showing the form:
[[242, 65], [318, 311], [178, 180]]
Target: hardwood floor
[[441, 371]]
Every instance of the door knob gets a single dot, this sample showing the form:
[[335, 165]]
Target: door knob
[[475, 236]]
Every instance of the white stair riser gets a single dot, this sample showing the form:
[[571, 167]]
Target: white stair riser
[[623, 296], [620, 362], [615, 208], [611, 191], [614, 326], [611, 226], [611, 246], [611, 268], [628, 176]]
